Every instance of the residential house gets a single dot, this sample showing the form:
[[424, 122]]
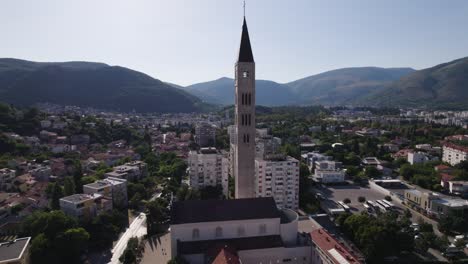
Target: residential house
[[114, 189], [85, 206]]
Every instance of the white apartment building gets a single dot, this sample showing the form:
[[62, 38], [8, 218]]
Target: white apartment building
[[208, 167], [266, 144], [454, 154], [114, 189], [277, 176], [129, 171], [85, 206], [420, 157], [327, 171], [311, 157], [205, 134], [6, 179]]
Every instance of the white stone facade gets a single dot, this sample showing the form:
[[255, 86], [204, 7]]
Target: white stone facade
[[208, 167], [454, 155], [278, 179]]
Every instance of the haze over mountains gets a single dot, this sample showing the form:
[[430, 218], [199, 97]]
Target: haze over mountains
[[442, 86], [90, 84], [337, 87], [117, 88]]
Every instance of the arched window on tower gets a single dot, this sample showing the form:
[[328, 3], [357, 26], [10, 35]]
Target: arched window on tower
[[195, 233], [245, 74], [240, 231]]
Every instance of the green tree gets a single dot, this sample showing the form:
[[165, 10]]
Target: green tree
[[40, 250], [156, 214], [72, 242], [77, 175], [69, 186], [131, 252], [54, 192]]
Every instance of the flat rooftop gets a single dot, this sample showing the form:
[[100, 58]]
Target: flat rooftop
[[13, 250], [105, 182], [208, 151], [78, 198]]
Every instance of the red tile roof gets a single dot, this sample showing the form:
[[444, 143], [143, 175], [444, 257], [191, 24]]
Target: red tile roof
[[442, 167], [455, 146], [332, 247], [445, 177], [226, 256]]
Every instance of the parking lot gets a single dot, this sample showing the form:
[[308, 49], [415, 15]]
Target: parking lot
[[352, 192]]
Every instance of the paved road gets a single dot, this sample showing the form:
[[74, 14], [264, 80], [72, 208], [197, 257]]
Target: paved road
[[136, 229]]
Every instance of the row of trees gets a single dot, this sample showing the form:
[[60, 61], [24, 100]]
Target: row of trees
[[57, 238], [378, 237]]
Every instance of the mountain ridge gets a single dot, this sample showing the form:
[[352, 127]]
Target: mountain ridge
[[90, 84]]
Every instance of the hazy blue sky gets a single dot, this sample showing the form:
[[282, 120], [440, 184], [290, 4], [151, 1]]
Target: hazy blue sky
[[188, 41]]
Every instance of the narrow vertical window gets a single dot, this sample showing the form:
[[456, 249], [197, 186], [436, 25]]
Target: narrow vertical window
[[242, 117], [195, 233], [218, 232], [243, 98], [248, 138], [250, 118], [250, 99], [244, 138]]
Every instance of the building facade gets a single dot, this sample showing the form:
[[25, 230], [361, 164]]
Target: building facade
[[7, 177], [208, 167], [205, 134], [327, 171], [129, 171], [277, 176], [85, 206]]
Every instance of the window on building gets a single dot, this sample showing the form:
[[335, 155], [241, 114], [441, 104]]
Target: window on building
[[245, 74], [250, 99], [218, 232], [195, 233], [240, 231], [250, 118]]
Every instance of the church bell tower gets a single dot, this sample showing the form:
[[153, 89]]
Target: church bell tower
[[244, 152]]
